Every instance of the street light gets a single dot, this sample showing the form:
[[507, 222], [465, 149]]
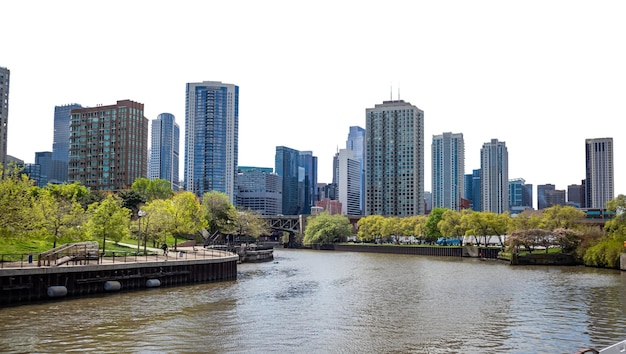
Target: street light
[[140, 214]]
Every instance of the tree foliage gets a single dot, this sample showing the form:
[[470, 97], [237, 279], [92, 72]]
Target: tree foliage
[[152, 189], [220, 215], [325, 228], [109, 220], [16, 203]]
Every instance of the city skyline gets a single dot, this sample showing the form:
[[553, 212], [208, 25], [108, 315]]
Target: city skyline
[[476, 69]]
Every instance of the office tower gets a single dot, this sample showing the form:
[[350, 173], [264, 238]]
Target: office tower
[[164, 150], [44, 160], [472, 189], [349, 182], [448, 168], [33, 171], [494, 179], [520, 195], [286, 166], [108, 145], [554, 197], [61, 142], [394, 141], [575, 194], [542, 203], [259, 189], [4, 114], [307, 181], [211, 138], [428, 202], [356, 143], [599, 172]]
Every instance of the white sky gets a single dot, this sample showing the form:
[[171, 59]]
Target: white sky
[[539, 75]]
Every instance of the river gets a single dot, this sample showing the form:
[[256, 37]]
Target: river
[[340, 302]]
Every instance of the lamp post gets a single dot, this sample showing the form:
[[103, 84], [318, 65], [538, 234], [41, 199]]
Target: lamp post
[[140, 214]]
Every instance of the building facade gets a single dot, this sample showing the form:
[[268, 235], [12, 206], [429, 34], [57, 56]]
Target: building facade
[[61, 142], [307, 181], [108, 145], [448, 170], [599, 172], [259, 189], [4, 114], [211, 138], [349, 182], [494, 179], [542, 202], [394, 141], [165, 150], [287, 167], [555, 197], [575, 194], [356, 143], [44, 160]]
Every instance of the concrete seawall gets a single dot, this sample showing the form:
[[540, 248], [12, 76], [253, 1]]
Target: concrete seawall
[[465, 251], [43, 283]]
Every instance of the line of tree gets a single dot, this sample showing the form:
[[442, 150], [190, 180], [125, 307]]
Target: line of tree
[[557, 227], [149, 212]]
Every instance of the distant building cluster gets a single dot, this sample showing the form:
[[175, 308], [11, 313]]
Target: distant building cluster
[[379, 172]]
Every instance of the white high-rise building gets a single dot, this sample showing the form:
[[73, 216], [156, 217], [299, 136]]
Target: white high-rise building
[[356, 143], [164, 150], [211, 138], [599, 172], [448, 163], [394, 155], [349, 182], [494, 178]]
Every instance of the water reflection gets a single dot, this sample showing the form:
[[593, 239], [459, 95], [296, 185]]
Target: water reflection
[[313, 301]]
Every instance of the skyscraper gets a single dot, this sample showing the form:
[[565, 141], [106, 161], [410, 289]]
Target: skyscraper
[[348, 183], [448, 169], [394, 144], [4, 114], [44, 160], [61, 142], [494, 179], [109, 145], [259, 189], [307, 181], [356, 143], [542, 202], [599, 172], [164, 149], [287, 167], [211, 138]]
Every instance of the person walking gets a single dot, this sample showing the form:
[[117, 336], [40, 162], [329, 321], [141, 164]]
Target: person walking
[[164, 248]]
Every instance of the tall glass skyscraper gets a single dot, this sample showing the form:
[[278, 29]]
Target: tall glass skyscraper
[[61, 142], [287, 167], [494, 179], [448, 163], [164, 150], [348, 182], [211, 138], [599, 172], [307, 181], [394, 142], [4, 114], [356, 143]]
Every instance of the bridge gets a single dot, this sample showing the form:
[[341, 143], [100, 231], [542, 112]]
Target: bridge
[[296, 224]]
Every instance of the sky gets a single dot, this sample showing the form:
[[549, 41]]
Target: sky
[[542, 76]]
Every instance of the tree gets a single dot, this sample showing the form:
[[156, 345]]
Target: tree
[[250, 223], [156, 223], [370, 228], [132, 200], [153, 189], [451, 224], [58, 212], [220, 215], [560, 217], [391, 229], [325, 228], [432, 224], [16, 191], [186, 215], [108, 220]]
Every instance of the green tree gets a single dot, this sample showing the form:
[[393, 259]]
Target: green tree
[[152, 189], [157, 221], [132, 200], [16, 202], [560, 217], [109, 220], [325, 228], [370, 228], [451, 224], [58, 213], [220, 215], [250, 224], [186, 216], [432, 224]]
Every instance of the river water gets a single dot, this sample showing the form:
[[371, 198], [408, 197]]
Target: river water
[[340, 302]]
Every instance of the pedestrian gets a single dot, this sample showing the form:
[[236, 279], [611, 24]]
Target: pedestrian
[[164, 247]]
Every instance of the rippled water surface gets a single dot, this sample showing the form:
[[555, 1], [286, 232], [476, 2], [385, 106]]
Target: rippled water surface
[[341, 302]]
